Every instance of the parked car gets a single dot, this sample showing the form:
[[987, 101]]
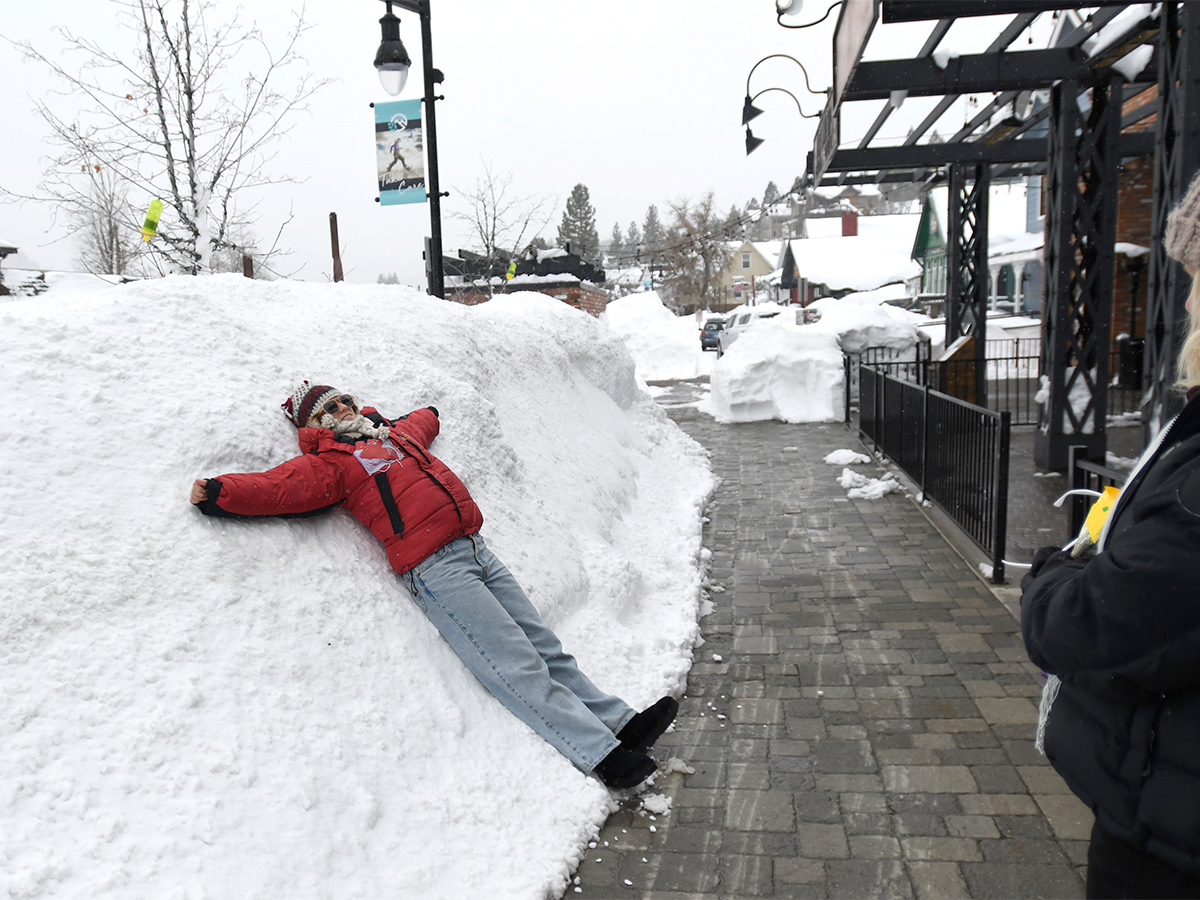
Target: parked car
[[710, 332], [737, 324]]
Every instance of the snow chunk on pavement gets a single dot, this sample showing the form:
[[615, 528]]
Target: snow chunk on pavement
[[846, 458], [861, 487], [659, 804]]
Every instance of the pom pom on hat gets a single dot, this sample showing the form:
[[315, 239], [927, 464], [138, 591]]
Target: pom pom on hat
[[1182, 239], [305, 400]]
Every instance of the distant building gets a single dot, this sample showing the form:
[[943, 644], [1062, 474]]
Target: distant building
[[1015, 244], [751, 261], [6, 249], [847, 253], [472, 279]]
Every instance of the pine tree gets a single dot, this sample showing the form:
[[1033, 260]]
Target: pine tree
[[771, 194], [578, 227], [735, 224], [616, 244], [652, 231], [633, 238]]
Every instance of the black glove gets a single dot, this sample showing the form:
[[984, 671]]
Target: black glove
[[1040, 559]]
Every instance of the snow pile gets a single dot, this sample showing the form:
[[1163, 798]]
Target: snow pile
[[846, 458], [889, 293], [859, 326], [779, 370], [664, 346], [204, 707], [795, 373], [861, 487]]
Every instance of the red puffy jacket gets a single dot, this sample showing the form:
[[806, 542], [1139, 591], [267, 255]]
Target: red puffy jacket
[[407, 497]]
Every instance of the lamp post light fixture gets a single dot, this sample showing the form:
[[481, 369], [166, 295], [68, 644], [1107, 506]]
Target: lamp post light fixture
[[392, 62], [750, 111]]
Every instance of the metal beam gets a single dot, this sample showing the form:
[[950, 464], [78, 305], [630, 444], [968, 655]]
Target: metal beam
[[966, 264], [917, 10], [1081, 224], [1030, 150], [978, 74]]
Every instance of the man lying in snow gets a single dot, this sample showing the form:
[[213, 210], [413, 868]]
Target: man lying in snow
[[381, 472]]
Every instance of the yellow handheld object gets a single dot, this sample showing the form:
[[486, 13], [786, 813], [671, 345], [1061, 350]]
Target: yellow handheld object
[[1099, 512], [512, 270], [150, 226]]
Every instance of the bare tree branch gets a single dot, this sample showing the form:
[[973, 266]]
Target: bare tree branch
[[172, 119], [503, 224]]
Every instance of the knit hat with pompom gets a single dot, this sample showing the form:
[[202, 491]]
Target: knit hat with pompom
[[1182, 239], [305, 400]]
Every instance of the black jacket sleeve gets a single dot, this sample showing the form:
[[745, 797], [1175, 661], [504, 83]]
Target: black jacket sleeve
[[1133, 610]]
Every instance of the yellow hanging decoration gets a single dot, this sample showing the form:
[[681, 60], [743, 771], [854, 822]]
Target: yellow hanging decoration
[[150, 226]]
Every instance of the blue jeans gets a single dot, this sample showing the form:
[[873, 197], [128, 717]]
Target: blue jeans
[[481, 611]]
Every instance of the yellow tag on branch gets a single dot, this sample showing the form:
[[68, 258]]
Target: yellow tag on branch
[[150, 227], [1100, 511]]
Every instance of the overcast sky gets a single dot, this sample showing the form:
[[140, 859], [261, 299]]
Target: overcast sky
[[640, 100]]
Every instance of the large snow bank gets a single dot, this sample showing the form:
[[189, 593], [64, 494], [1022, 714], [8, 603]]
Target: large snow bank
[[795, 373], [665, 347], [859, 326], [779, 370], [202, 707]]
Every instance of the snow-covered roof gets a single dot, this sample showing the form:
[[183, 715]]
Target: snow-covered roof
[[6, 248], [768, 251], [1027, 245], [552, 253], [860, 263], [896, 224]]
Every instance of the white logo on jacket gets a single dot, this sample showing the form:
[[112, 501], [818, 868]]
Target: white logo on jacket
[[377, 456]]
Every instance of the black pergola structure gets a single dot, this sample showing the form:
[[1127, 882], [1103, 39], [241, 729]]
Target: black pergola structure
[[1075, 141]]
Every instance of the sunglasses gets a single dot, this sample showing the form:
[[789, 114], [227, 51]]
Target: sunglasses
[[332, 406]]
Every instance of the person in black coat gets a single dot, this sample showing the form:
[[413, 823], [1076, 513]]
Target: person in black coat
[[1116, 627]]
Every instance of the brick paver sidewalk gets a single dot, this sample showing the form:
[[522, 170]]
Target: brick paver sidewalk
[[860, 718]]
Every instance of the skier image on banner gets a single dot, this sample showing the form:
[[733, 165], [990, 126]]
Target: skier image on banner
[[399, 161], [396, 157]]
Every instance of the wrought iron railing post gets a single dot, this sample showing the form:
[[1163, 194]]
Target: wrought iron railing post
[[924, 439], [1078, 479], [1000, 537], [846, 392]]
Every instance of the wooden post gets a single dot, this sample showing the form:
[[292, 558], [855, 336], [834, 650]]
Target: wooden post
[[337, 253], [247, 265]]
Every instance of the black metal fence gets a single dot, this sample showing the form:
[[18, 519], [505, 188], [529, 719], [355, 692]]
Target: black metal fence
[[958, 453], [1011, 370]]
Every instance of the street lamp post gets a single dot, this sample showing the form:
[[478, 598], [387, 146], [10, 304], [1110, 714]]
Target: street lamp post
[[392, 61]]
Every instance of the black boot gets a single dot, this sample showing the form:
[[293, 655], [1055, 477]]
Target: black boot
[[640, 732], [623, 769]]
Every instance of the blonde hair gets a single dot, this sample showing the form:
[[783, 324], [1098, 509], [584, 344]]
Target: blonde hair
[[1189, 353]]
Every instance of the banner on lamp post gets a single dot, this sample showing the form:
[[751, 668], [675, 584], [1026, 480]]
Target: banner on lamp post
[[400, 152]]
